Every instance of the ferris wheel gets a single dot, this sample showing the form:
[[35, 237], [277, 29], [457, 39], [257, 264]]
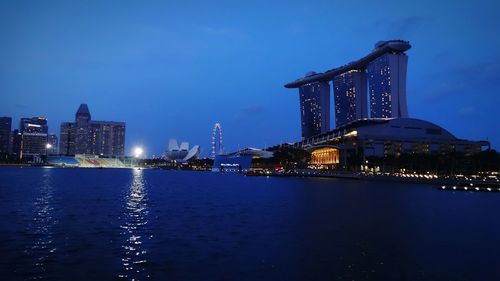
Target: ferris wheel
[[217, 147]]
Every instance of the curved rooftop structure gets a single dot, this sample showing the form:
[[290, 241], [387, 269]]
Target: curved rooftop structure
[[403, 128], [182, 153], [381, 48], [382, 137], [388, 129]]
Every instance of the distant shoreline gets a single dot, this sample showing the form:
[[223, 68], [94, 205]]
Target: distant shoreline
[[451, 182], [446, 182]]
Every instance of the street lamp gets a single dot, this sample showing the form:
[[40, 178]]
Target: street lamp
[[47, 147], [138, 151]]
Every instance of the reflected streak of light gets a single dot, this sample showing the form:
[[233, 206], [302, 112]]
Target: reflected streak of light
[[41, 227], [134, 258]]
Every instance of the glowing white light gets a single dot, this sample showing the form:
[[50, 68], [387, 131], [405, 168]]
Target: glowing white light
[[48, 146], [138, 151]]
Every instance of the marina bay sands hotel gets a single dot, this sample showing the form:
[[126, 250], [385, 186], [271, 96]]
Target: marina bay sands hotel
[[371, 115], [379, 76]]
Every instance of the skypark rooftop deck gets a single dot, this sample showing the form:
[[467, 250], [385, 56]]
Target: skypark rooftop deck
[[381, 48]]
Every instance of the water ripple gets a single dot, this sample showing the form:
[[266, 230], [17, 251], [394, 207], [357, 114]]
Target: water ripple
[[135, 219], [41, 229]]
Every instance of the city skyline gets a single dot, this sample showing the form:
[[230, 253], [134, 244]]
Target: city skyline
[[144, 75], [91, 137]]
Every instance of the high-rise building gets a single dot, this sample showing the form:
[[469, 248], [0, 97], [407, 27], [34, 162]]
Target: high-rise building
[[314, 108], [34, 132], [52, 149], [83, 130], [67, 138], [387, 81], [85, 136], [5, 128], [384, 68], [350, 90], [107, 138], [16, 141]]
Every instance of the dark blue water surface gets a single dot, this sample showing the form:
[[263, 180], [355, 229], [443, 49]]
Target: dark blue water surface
[[111, 224]]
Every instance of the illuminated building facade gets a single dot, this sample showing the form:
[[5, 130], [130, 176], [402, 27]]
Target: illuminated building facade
[[107, 138], [239, 161], [34, 133], [378, 81], [389, 137], [325, 156], [350, 97], [315, 108], [83, 130], [85, 136], [383, 71], [387, 82]]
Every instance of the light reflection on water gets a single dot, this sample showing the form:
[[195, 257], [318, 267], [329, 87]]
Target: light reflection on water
[[41, 228], [134, 254], [95, 224]]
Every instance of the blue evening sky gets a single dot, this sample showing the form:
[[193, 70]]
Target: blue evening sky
[[171, 69]]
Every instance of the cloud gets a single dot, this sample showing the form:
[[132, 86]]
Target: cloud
[[466, 78], [484, 74], [467, 111], [21, 106], [399, 28], [249, 113], [441, 91], [221, 32], [298, 28]]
